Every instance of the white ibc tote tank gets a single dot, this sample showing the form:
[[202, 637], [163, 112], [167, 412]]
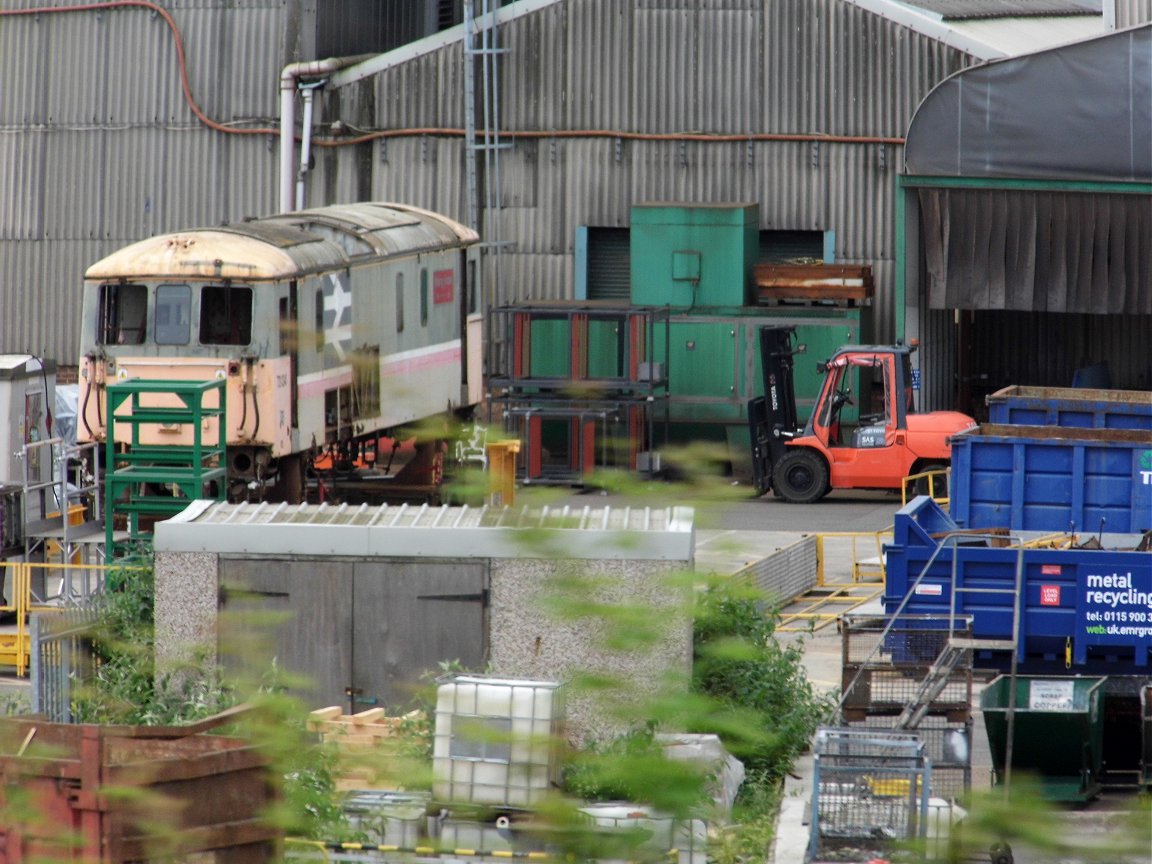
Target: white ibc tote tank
[[496, 740]]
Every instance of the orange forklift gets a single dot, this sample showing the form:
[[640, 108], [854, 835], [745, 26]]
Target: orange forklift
[[889, 442]]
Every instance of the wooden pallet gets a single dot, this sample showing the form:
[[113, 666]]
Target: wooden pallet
[[364, 742]]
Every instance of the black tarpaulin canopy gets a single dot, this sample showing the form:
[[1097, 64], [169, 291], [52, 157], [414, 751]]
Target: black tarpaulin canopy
[[1051, 157], [1078, 112]]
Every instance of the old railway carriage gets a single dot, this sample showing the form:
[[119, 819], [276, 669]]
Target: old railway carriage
[[329, 325]]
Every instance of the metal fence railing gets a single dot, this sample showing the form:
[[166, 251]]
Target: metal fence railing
[[60, 648]]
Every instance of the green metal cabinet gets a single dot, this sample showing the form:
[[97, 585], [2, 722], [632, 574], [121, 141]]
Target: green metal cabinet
[[689, 255], [704, 370], [714, 360], [551, 349]]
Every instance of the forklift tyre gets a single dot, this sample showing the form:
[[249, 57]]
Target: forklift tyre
[[923, 487], [1001, 853], [800, 477]]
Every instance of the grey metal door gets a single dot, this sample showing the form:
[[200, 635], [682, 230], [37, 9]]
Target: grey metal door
[[354, 634]]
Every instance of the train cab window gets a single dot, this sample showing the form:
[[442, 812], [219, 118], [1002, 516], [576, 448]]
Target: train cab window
[[123, 314], [225, 315], [423, 298], [399, 302], [173, 315]]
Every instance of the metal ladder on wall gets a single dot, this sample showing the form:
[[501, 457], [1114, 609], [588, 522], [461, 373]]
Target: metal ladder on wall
[[956, 648], [482, 140]]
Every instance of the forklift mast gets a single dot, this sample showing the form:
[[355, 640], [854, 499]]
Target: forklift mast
[[772, 418]]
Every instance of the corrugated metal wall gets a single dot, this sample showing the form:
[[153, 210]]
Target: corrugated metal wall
[[346, 27], [1132, 12], [100, 148], [662, 67]]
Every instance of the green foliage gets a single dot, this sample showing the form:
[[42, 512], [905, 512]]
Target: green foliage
[[602, 772], [634, 767], [310, 807], [749, 836], [741, 663], [127, 690], [747, 688]]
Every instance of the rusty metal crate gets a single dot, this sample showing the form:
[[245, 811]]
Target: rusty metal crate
[[948, 745], [113, 794]]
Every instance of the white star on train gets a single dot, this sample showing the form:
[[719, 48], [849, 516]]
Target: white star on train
[[338, 301]]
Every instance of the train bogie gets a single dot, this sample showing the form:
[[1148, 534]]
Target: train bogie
[[330, 326]]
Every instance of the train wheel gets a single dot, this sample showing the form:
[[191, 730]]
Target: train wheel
[[800, 477]]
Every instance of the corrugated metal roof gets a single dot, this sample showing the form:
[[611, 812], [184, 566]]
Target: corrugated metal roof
[[423, 531], [959, 10], [991, 36], [1013, 37]]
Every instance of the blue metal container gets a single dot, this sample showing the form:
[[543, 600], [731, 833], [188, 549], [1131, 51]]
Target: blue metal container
[[1070, 406], [1047, 478], [1078, 606]]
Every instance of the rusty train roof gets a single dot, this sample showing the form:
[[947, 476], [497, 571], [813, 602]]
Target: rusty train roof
[[286, 245]]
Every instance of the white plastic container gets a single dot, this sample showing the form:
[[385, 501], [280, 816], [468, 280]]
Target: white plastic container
[[654, 832], [496, 740], [388, 818]]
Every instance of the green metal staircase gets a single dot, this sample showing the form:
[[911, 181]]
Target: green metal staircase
[[159, 480]]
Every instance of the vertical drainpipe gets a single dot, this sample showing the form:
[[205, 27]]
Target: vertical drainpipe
[[306, 90], [289, 81]]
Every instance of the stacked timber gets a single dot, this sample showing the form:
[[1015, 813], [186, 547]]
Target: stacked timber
[[366, 743]]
